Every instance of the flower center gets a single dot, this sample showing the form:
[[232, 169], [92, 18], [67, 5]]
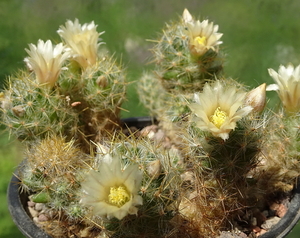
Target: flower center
[[81, 37], [118, 196], [218, 117], [200, 40]]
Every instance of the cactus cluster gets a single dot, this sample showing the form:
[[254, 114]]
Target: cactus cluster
[[49, 171], [214, 157], [186, 56], [233, 158], [184, 59], [58, 96]]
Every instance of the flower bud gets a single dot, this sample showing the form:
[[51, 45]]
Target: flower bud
[[154, 169], [19, 111], [187, 17], [102, 81], [256, 98]]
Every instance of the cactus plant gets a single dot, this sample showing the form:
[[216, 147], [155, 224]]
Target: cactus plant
[[211, 163]]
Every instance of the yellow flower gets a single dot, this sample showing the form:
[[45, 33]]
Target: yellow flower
[[82, 41], [113, 190], [202, 35], [287, 86], [217, 109], [46, 61]]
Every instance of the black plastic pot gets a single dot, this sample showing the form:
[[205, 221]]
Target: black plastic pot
[[17, 202], [290, 219], [17, 206]]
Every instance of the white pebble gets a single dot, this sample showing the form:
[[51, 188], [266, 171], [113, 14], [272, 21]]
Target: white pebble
[[39, 206], [270, 222], [33, 212]]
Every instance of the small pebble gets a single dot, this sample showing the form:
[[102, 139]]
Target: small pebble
[[225, 234], [36, 221], [149, 131], [85, 232], [270, 222], [261, 232], [39, 206], [30, 204], [256, 229], [281, 210], [253, 221], [159, 136], [42, 218], [33, 212]]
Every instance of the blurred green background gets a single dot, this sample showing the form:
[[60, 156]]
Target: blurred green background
[[258, 34]]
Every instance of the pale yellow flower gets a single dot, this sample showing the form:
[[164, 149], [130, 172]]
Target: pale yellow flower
[[287, 86], [202, 35], [113, 191], [217, 109], [46, 60], [82, 41]]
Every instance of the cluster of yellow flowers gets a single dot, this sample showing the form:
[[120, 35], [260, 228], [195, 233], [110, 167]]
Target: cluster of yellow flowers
[[47, 59], [217, 108]]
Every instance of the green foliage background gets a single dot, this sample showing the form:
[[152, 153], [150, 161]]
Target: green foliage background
[[258, 35]]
